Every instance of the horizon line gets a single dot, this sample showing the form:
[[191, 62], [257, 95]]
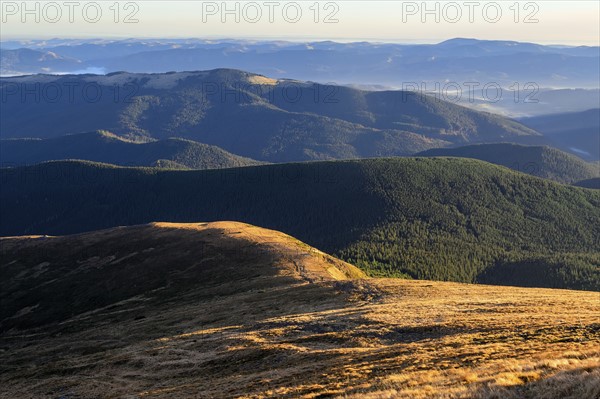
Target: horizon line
[[429, 41]]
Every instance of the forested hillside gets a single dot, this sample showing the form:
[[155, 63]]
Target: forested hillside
[[545, 162], [432, 218], [247, 114], [102, 146]]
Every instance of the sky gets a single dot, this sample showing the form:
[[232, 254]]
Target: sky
[[547, 22]]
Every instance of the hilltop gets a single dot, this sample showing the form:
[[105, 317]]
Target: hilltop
[[102, 146], [545, 162], [160, 256], [274, 120], [425, 218], [227, 309]]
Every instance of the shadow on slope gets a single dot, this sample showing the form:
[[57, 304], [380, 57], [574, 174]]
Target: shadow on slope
[[51, 279]]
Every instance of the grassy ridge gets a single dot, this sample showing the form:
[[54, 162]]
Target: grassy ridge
[[431, 218]]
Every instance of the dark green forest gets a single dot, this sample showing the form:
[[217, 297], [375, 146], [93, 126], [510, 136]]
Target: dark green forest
[[541, 161], [103, 146], [427, 218]]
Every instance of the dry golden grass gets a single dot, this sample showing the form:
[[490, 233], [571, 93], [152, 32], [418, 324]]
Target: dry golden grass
[[309, 335], [262, 80]]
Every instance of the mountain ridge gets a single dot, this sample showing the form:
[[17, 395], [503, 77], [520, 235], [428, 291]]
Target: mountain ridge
[[105, 147], [575, 132], [466, 60], [545, 162], [257, 117], [424, 218]]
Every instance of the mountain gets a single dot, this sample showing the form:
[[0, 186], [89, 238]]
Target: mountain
[[545, 162], [395, 65], [195, 253], [532, 100], [24, 61], [247, 114], [426, 218], [576, 132], [102, 146], [229, 310]]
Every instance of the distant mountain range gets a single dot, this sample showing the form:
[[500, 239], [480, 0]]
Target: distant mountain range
[[247, 114], [533, 101], [26, 61], [576, 132], [538, 161], [457, 60], [174, 153], [426, 218], [102, 146]]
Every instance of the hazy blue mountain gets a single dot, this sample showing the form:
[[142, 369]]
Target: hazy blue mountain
[[531, 101], [577, 132], [394, 65], [248, 114], [25, 61], [101, 146], [457, 60]]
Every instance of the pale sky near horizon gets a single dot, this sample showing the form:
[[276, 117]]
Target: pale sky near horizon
[[548, 22]]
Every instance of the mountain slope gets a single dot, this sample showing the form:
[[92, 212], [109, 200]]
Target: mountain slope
[[576, 132], [232, 310], [160, 255], [23, 61], [545, 162], [430, 218], [106, 147], [250, 115]]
